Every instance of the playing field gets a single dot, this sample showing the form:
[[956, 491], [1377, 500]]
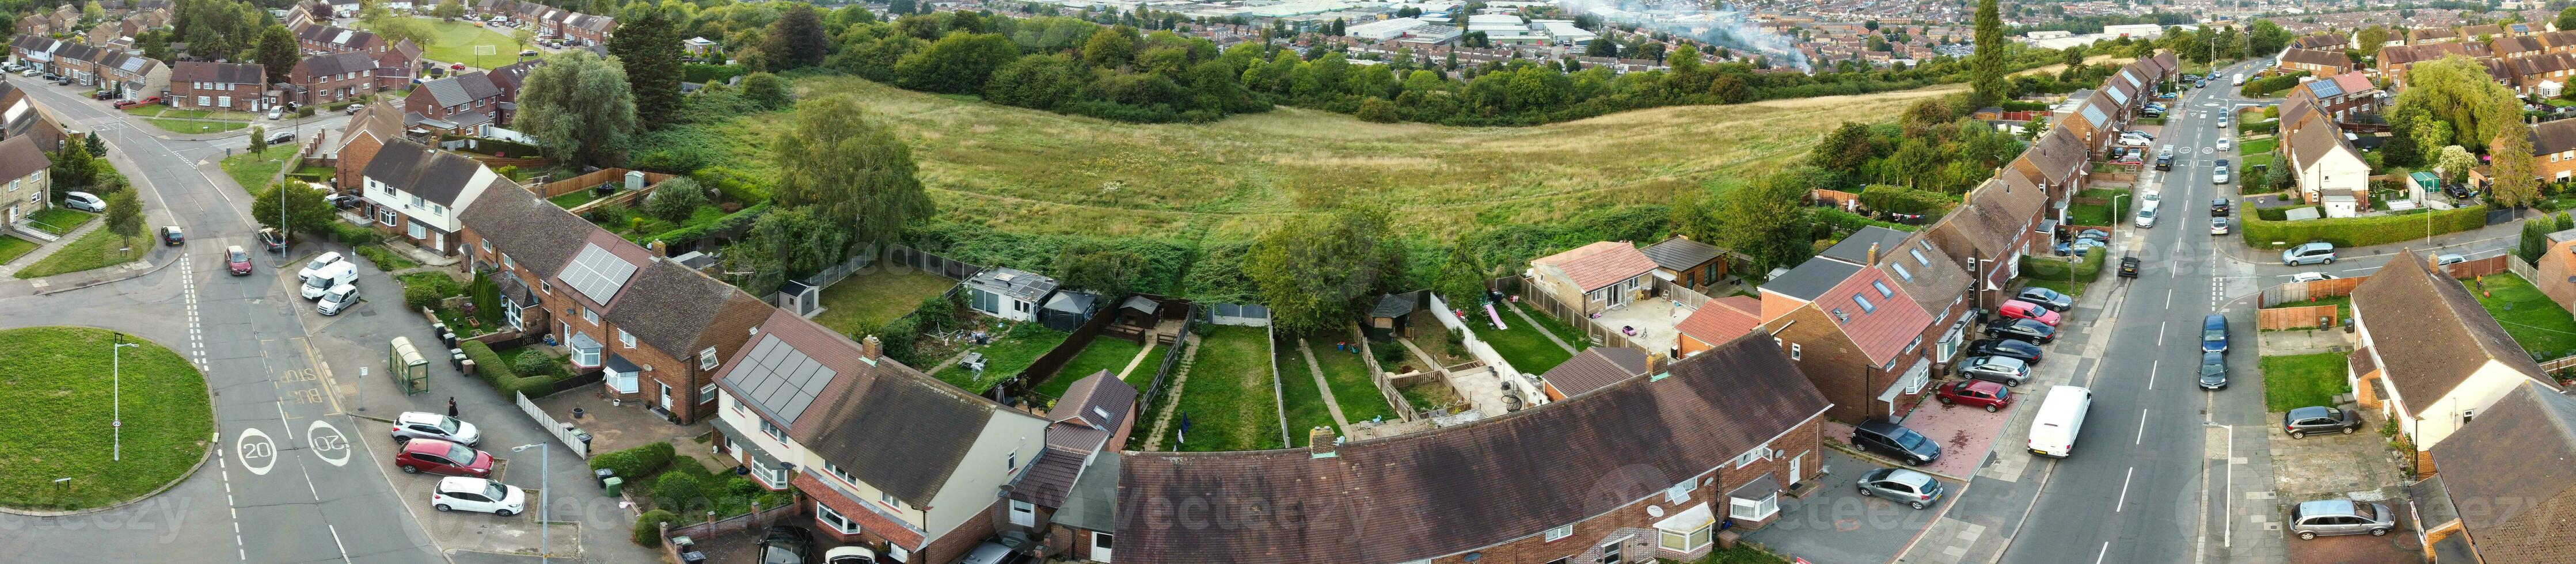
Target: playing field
[[457, 42]]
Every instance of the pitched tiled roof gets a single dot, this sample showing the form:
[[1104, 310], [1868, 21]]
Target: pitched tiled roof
[[462, 89], [328, 65], [1857, 247], [2541, 64], [2315, 137], [1466, 487], [873, 407], [537, 235], [228, 73], [2430, 334], [1722, 319], [434, 175], [1930, 276], [672, 307], [19, 157], [2553, 136], [1099, 390], [1678, 252], [2355, 82], [1593, 266], [1047, 480], [1595, 368], [380, 121], [1881, 328], [2318, 41], [1810, 279], [2054, 158], [2315, 57], [2511, 475]]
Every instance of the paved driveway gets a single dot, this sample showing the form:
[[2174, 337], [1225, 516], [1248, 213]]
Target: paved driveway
[[1837, 524]]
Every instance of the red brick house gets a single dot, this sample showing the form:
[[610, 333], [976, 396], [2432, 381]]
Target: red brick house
[[317, 38], [455, 103], [397, 65], [588, 28], [333, 77], [1989, 234], [1854, 332], [1622, 482], [2315, 62], [198, 85], [367, 133]]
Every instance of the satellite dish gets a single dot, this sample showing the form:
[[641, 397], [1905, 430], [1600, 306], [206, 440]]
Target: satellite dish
[[1654, 511]]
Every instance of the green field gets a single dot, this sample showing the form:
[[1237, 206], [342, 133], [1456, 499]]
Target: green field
[[454, 42], [96, 250], [1038, 172], [1228, 399], [2296, 381], [62, 400], [253, 171], [2543, 328]]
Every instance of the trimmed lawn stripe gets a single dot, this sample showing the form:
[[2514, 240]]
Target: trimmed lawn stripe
[[1007, 356], [2544, 329], [861, 304], [1298, 397], [1227, 399], [12, 247]]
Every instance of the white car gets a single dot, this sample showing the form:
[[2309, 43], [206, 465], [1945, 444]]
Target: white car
[[2312, 276], [478, 495], [316, 265], [276, 112], [416, 424], [2224, 144], [30, 72], [337, 300], [343, 272], [2135, 141], [2218, 226]]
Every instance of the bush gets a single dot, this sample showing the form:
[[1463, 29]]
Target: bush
[[533, 363], [2361, 231], [675, 199], [502, 377], [421, 295], [1376, 110], [635, 463], [355, 235], [2037, 267], [1899, 199], [648, 527], [678, 491]]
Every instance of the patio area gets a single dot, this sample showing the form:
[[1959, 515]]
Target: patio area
[[614, 427], [1648, 322], [1965, 434]]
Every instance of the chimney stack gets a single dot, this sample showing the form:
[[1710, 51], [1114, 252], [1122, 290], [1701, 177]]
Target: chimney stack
[[1322, 442], [1654, 363], [1873, 253], [870, 348]]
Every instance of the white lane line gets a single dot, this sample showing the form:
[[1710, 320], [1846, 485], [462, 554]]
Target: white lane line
[[2142, 428], [2160, 335], [335, 541], [2124, 490], [281, 419], [2152, 368], [2106, 551]]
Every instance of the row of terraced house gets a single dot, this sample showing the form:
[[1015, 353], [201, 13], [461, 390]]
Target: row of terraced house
[[550, 21]]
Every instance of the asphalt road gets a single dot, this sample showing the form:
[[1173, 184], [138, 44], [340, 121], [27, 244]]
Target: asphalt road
[[286, 475]]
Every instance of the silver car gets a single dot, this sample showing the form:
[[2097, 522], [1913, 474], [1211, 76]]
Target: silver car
[[1915, 489], [1998, 369], [2311, 253], [2341, 517], [418, 424]]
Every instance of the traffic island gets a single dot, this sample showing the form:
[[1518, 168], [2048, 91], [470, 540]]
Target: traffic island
[[93, 425]]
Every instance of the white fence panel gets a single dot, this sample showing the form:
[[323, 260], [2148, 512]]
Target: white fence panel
[[562, 432]]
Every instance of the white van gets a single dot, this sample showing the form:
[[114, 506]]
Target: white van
[[2240, 79], [2061, 418], [333, 276]]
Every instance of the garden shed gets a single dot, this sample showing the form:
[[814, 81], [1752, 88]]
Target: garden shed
[[1067, 310], [1139, 311], [1387, 319], [1008, 293]]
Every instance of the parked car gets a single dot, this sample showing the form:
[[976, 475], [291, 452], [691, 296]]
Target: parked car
[[528, 53], [2218, 226], [328, 277], [2146, 217], [2008, 348], [2213, 371], [478, 495], [2213, 333], [237, 260], [1914, 489], [2017, 309], [101, 95], [29, 72], [1975, 393], [2135, 141], [2218, 207], [2311, 276], [850, 555], [1907, 446], [2341, 517], [345, 201], [2301, 422], [786, 544], [2458, 191], [2079, 245], [2003, 370], [281, 138], [337, 299], [50, 77], [315, 266], [353, 109], [2449, 259], [987, 553], [84, 201], [273, 239], [2022, 330], [170, 235], [2128, 267], [441, 457], [2218, 173], [2224, 144], [2046, 297], [425, 425], [2307, 254]]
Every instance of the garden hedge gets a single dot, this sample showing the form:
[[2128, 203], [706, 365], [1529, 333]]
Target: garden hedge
[[635, 463], [2359, 231], [648, 527], [504, 378], [2036, 267]]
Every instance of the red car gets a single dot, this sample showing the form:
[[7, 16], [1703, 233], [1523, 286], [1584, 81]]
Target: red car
[[441, 457], [237, 259], [1976, 393], [2017, 309]]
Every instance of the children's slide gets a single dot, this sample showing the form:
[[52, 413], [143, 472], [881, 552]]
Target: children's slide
[[1498, 317]]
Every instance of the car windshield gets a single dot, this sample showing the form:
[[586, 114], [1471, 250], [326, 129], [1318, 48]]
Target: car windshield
[[449, 424], [2365, 511], [319, 282], [321, 261], [494, 490], [1910, 439], [238, 256], [342, 296], [460, 453], [2146, 213], [2213, 369], [779, 554], [2213, 335]]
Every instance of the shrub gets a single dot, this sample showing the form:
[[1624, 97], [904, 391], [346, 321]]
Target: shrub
[[898, 336], [2037, 267], [533, 363], [2361, 231], [678, 491], [636, 463], [502, 377], [1376, 110], [675, 199], [355, 235], [421, 295], [648, 527]]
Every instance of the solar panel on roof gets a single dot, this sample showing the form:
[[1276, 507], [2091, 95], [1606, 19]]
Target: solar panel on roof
[[779, 379], [2094, 115], [597, 274], [2325, 88]]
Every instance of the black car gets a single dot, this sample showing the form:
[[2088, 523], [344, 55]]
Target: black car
[[2128, 267], [1906, 445], [2007, 348], [2218, 207], [2213, 371], [2457, 191], [2022, 330], [786, 544], [2051, 299], [2319, 419]]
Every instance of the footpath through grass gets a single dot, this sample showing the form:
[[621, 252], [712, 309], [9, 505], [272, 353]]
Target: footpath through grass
[[96, 250], [2296, 381], [56, 382], [1104, 353], [253, 171], [2543, 328], [1227, 399]]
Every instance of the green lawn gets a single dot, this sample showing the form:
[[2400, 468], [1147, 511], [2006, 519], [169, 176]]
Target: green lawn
[[1563, 331], [56, 383], [862, 303], [574, 199], [2543, 328], [60, 220], [12, 247], [98, 249], [2295, 381], [1744, 553], [1143, 376], [2257, 147], [1227, 399], [1104, 353], [194, 126], [161, 111], [1007, 356], [253, 171], [1352, 386], [1299, 398]]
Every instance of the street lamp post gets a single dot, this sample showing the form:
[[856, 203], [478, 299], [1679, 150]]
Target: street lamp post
[[116, 419], [545, 519]]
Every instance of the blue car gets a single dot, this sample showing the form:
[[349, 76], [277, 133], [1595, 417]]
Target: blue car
[[2213, 333]]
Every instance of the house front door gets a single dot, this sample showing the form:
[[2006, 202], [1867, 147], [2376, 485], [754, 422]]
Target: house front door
[[1100, 547], [1796, 464], [666, 397]]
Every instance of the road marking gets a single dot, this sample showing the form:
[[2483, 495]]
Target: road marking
[[2124, 494], [2169, 297], [2106, 551], [282, 419], [335, 541], [308, 481], [2160, 336], [2142, 428], [326, 440], [2152, 368], [253, 446]]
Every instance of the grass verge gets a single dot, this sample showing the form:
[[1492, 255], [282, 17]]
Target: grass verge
[[2295, 381], [2544, 329], [98, 249], [253, 171], [60, 220], [194, 126], [2061, 286], [59, 407], [1227, 400], [12, 247]]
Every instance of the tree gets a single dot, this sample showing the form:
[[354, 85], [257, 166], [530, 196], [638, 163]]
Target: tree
[[1316, 270], [1601, 48], [2517, 178], [2535, 241], [795, 40], [449, 10], [1844, 149], [578, 106], [1694, 210], [2400, 149], [1110, 48], [2457, 91], [2567, 19], [1099, 269], [307, 210], [676, 199], [522, 37], [90, 11], [124, 214], [278, 53], [649, 50], [959, 63], [258, 139], [73, 166], [97, 146], [766, 90], [851, 168], [1762, 220], [2565, 222], [2455, 164], [1988, 78], [395, 28]]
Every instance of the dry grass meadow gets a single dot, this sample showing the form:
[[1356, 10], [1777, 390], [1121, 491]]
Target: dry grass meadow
[[1031, 171]]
